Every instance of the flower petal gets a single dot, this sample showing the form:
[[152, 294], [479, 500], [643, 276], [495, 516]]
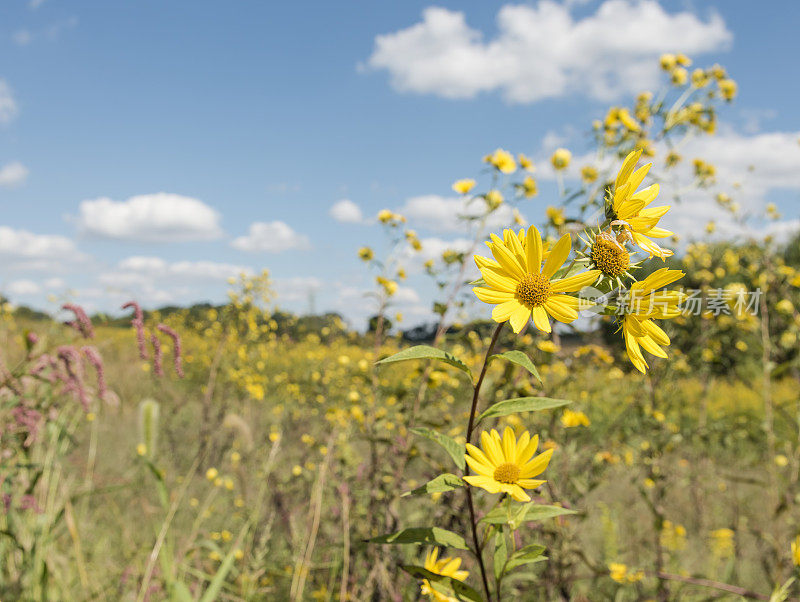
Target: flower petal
[[557, 256], [540, 319], [574, 283]]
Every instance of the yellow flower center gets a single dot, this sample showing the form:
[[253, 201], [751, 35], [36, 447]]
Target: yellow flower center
[[610, 257], [507, 473], [533, 290]]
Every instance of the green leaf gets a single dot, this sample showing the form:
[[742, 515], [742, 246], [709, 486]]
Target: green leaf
[[522, 404], [527, 555], [520, 359], [478, 282], [499, 516], [426, 352], [500, 553], [444, 482], [461, 590], [430, 535], [455, 450]]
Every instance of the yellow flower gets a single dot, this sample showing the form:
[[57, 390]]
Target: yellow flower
[[494, 198], [679, 76], [699, 78], [529, 188], [212, 473], [548, 346], [642, 304], [464, 186], [525, 162], [561, 158], [631, 207], [555, 215], [618, 572], [141, 449], [501, 160], [589, 174], [667, 61], [522, 288], [628, 121], [683, 60], [447, 567], [507, 464], [389, 286], [572, 418], [728, 88], [366, 254], [796, 551], [385, 216]]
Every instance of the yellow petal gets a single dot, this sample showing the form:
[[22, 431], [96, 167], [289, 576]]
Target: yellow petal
[[519, 318], [505, 310], [537, 465], [534, 250], [489, 295], [509, 444], [560, 311], [540, 319], [574, 283], [557, 256]]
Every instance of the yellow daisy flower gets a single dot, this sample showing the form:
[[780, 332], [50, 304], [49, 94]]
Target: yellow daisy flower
[[501, 160], [521, 287], [507, 464], [561, 158], [644, 303], [464, 186], [447, 567], [632, 208]]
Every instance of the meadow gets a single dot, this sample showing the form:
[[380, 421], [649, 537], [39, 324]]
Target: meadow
[[241, 452]]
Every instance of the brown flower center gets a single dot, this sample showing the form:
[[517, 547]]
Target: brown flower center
[[507, 473], [610, 257], [533, 290]]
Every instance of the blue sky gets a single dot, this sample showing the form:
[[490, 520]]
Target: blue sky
[[255, 112]]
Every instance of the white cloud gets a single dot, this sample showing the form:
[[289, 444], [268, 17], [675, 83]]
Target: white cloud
[[270, 237], [22, 37], [156, 267], [542, 51], [444, 214], [159, 217], [346, 211], [12, 174], [20, 249], [8, 106], [23, 287]]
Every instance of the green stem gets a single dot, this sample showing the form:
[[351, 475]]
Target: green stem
[[470, 426]]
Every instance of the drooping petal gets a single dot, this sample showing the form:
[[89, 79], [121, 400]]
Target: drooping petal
[[540, 319], [530, 483], [519, 318], [486, 483], [560, 311], [503, 312]]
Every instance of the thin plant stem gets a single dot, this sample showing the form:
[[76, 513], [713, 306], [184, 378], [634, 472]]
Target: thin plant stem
[[470, 426]]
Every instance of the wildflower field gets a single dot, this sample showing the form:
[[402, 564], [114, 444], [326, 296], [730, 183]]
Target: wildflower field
[[603, 411]]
